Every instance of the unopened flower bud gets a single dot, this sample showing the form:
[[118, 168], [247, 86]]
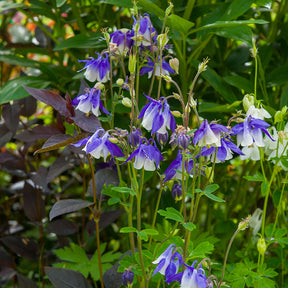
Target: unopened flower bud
[[106, 36], [176, 95], [162, 40], [126, 102], [203, 66], [99, 85], [162, 138], [166, 78], [244, 224], [127, 278], [120, 82], [261, 246], [169, 9], [177, 191], [135, 137], [193, 103], [174, 64], [132, 64], [183, 140], [278, 117], [176, 113], [254, 50], [248, 100], [113, 140], [281, 136]]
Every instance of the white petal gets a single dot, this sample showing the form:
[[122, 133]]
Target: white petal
[[139, 162], [149, 165], [84, 106], [258, 138], [90, 74]]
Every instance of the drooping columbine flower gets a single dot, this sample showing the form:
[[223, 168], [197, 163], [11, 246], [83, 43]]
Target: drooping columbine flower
[[176, 191], [223, 152], [146, 155], [209, 134], [99, 145], [90, 101], [168, 265], [121, 41], [175, 166], [97, 69], [250, 132], [149, 68], [146, 33], [162, 139], [157, 116], [127, 278], [259, 113], [135, 137], [190, 278]]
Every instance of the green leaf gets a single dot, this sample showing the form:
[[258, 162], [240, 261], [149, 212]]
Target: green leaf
[[284, 97], [258, 178], [89, 40], [240, 83], [143, 235], [120, 3], [189, 226], [151, 231], [60, 3], [128, 229], [214, 107], [202, 249], [236, 9], [264, 188], [9, 5], [214, 198], [241, 33], [180, 24], [172, 213], [124, 190], [211, 188], [13, 89]]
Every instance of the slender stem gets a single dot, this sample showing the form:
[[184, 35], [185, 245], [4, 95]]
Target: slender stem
[[255, 79], [183, 186], [96, 216], [226, 256]]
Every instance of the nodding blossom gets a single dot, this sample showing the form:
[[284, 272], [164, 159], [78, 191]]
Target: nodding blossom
[[121, 41], [127, 278], [209, 134], [149, 68], [99, 145], [97, 69], [190, 278], [146, 156], [250, 131], [259, 113], [175, 166], [146, 33], [90, 101], [157, 116], [223, 152], [168, 262]]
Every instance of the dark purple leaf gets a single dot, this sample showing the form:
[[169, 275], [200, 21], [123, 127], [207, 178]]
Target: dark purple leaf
[[36, 133], [34, 207], [6, 274], [11, 162], [5, 258], [64, 278], [69, 105], [40, 178], [10, 114], [28, 106], [5, 135], [51, 98], [25, 282], [60, 165], [103, 176], [87, 123], [67, 206], [106, 219], [62, 227], [24, 247]]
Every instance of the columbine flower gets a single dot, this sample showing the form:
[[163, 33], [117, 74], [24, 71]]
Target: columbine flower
[[250, 152], [176, 191], [175, 166], [121, 41], [127, 278], [97, 69], [157, 116], [258, 113], [223, 152], [149, 68], [168, 265], [90, 101], [162, 138], [250, 131], [209, 134], [146, 155], [135, 137], [99, 145], [146, 32], [190, 278]]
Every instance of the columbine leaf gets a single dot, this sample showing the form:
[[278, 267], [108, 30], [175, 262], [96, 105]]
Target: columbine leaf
[[172, 213]]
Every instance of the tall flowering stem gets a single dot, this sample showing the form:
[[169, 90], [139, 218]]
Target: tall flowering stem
[[96, 217]]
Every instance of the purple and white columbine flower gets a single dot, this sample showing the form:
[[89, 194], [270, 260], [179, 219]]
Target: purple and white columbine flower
[[98, 145], [157, 116], [146, 155], [122, 40], [250, 131], [168, 265], [190, 278], [223, 152], [146, 33], [149, 68], [175, 166], [97, 69], [90, 101], [209, 134]]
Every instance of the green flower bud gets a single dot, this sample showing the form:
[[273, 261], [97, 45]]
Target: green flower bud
[[176, 113], [248, 100], [132, 64], [174, 63], [127, 102], [120, 82], [169, 9], [244, 224], [261, 246], [162, 40]]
